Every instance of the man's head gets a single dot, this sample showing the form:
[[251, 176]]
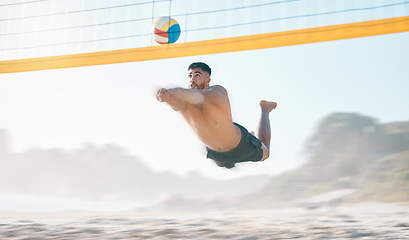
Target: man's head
[[199, 75]]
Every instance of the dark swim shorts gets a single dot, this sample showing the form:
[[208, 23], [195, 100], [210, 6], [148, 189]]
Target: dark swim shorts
[[248, 150]]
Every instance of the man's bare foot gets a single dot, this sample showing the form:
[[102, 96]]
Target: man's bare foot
[[267, 106]]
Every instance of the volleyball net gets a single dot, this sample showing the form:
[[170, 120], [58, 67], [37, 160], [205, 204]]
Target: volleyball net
[[52, 34]]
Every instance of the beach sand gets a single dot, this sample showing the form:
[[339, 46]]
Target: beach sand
[[357, 221]]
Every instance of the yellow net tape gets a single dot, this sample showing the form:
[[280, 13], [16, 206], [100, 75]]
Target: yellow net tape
[[259, 41]]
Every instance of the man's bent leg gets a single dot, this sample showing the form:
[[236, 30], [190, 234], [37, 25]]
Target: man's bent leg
[[264, 130]]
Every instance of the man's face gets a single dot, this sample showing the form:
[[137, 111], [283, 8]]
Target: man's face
[[198, 78]]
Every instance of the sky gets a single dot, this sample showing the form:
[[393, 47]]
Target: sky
[[116, 104]]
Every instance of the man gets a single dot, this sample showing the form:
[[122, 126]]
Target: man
[[207, 111]]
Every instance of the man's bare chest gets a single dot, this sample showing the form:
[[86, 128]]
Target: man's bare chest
[[205, 117]]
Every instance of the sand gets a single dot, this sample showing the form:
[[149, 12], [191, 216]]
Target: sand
[[358, 221]]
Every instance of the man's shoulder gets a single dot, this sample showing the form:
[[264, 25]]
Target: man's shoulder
[[219, 95], [218, 88]]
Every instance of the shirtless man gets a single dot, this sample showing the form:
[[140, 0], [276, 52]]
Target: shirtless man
[[207, 111]]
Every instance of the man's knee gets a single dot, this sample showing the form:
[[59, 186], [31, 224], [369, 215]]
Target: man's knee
[[266, 152]]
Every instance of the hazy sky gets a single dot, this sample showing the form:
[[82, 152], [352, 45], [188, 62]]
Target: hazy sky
[[67, 108]]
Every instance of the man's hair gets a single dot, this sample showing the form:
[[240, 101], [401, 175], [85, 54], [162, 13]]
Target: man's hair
[[201, 65]]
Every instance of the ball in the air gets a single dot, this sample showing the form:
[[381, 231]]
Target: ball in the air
[[166, 30]]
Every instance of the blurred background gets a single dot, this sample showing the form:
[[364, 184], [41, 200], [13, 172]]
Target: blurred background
[[95, 138]]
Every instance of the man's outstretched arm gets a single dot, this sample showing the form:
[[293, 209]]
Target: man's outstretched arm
[[177, 98], [165, 95]]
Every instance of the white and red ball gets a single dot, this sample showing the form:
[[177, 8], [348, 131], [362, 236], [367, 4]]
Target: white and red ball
[[166, 30]]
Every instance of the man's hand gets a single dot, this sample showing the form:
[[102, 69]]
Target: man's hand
[[163, 95]]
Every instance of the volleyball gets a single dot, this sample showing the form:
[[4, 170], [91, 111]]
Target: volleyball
[[166, 30]]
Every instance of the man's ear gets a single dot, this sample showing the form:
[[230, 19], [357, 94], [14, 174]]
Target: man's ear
[[208, 80]]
